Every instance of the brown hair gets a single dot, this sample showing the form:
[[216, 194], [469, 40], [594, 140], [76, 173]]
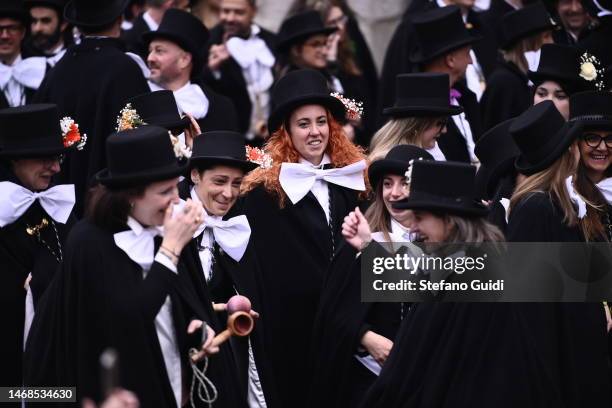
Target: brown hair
[[377, 215], [592, 225], [398, 132], [516, 54], [109, 208]]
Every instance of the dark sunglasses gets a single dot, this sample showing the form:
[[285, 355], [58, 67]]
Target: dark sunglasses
[[594, 140]]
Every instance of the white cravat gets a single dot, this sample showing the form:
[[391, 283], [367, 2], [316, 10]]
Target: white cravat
[[190, 99], [255, 59], [533, 60], [138, 243], [436, 152], [575, 198], [602, 11], [153, 26], [146, 72], [506, 204], [474, 76], [465, 129], [28, 73], [53, 59], [605, 186], [56, 201]]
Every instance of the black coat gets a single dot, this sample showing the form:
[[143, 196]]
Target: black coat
[[292, 249], [493, 17], [507, 95], [598, 42], [221, 115], [133, 37], [101, 300], [91, 84]]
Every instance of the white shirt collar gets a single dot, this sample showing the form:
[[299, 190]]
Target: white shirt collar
[[153, 26], [397, 228]]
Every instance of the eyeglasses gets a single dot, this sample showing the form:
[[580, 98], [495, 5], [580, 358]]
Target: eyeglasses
[[337, 21], [52, 159], [11, 29], [594, 140]]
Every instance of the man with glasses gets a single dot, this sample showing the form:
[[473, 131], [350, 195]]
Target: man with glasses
[[35, 217]]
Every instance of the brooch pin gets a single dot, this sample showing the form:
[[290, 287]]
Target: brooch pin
[[35, 230]]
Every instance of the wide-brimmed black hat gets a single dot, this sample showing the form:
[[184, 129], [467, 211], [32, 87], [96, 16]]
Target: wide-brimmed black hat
[[542, 136], [525, 22], [396, 161], [592, 109], [423, 94], [140, 156], [559, 63], [93, 13], [442, 186], [159, 108], [186, 31], [31, 131], [497, 152], [14, 9], [54, 4], [220, 147], [438, 32], [297, 28], [299, 88]]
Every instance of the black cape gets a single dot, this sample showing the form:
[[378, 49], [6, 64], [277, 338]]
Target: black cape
[[133, 37]]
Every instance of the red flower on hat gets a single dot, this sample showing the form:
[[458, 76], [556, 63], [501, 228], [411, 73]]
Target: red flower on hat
[[71, 133]]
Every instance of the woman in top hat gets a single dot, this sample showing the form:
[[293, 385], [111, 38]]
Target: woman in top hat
[[128, 285], [352, 339], [35, 218], [418, 117], [507, 94], [295, 208]]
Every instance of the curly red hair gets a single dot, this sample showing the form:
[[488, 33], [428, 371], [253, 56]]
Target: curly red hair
[[280, 147]]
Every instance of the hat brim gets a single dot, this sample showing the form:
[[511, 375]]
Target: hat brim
[[280, 112], [101, 18], [422, 111], [538, 77], [128, 180], [570, 133], [417, 57], [443, 205], [34, 153], [245, 165], [507, 44], [182, 123], [490, 176], [285, 43], [593, 122]]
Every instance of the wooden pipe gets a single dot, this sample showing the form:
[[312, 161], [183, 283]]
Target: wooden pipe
[[239, 324]]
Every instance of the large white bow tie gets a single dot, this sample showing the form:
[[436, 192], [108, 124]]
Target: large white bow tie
[[297, 179], [189, 99], [56, 201], [138, 243], [605, 186], [28, 72], [249, 51], [232, 235]]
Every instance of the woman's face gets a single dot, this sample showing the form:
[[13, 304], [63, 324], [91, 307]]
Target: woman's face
[[309, 132], [218, 188], [432, 133], [150, 208], [312, 53], [595, 156], [336, 18], [552, 91], [429, 227], [394, 189]]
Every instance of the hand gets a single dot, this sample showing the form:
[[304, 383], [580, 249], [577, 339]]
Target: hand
[[180, 227], [356, 230], [206, 348], [217, 55], [192, 131], [378, 346], [118, 399]]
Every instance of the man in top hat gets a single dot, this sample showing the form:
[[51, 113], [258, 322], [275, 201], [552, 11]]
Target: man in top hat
[[34, 219], [176, 60], [92, 83], [50, 33], [19, 77], [240, 63], [575, 21], [598, 43], [145, 22]]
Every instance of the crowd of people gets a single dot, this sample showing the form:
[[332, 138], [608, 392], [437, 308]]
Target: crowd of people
[[159, 158]]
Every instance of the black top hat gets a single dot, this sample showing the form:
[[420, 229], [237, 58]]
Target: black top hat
[[559, 63], [14, 9], [54, 4], [140, 156], [159, 108], [298, 88], [525, 22], [424, 94], [443, 186], [220, 147], [396, 161], [31, 131], [438, 32], [497, 152], [186, 31], [592, 109], [93, 13], [299, 27], [542, 136]]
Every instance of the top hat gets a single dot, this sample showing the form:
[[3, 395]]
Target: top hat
[[186, 31], [140, 156], [497, 152], [299, 27], [592, 109], [298, 88], [423, 94], [159, 108], [31, 131], [442, 186], [14, 9], [93, 13], [559, 63], [220, 147], [54, 4], [438, 32], [542, 136], [525, 22], [396, 161]]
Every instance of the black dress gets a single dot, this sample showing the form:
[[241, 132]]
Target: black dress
[[101, 300]]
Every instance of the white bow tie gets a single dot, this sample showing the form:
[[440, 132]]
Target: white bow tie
[[232, 235], [250, 51], [56, 201], [138, 243], [28, 72], [575, 198], [297, 179], [189, 99], [605, 186]]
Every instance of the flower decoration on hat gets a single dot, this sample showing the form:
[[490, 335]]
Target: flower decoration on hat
[[181, 150], [258, 156], [71, 134], [354, 109], [128, 119], [591, 70]]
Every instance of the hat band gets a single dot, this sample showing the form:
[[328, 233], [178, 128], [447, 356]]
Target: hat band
[[465, 201], [591, 118], [424, 101]]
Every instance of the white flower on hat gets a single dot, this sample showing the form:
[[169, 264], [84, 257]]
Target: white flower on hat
[[588, 71]]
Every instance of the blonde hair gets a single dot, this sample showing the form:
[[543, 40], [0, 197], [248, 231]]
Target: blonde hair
[[472, 230], [397, 132], [516, 54]]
